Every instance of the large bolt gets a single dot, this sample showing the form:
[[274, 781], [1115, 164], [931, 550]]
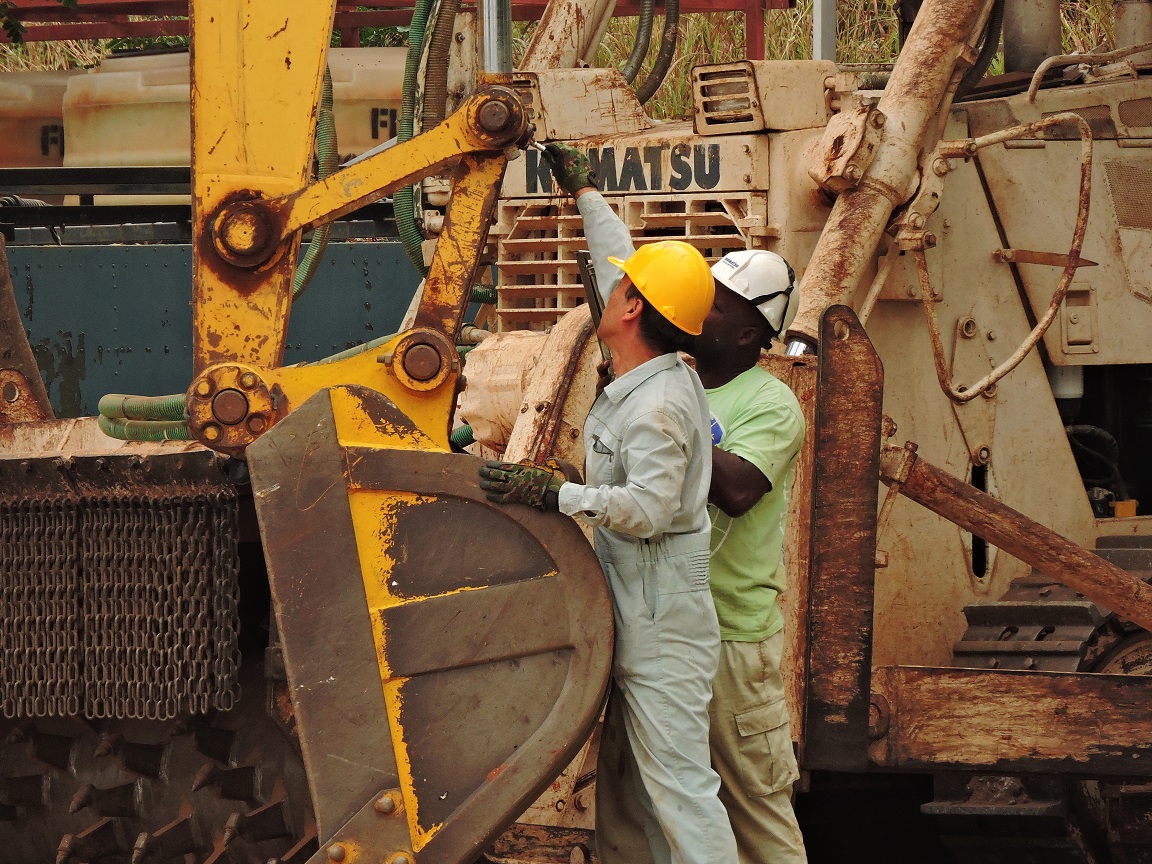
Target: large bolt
[[244, 232], [249, 380], [230, 407], [400, 858], [494, 116], [386, 804], [422, 362], [336, 852]]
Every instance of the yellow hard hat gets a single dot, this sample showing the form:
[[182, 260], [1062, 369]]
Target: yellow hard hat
[[674, 277]]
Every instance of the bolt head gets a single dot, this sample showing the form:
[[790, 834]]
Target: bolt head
[[494, 116], [238, 232], [257, 424], [336, 852], [400, 858], [212, 432], [422, 362], [230, 406], [385, 805], [248, 380], [204, 387]]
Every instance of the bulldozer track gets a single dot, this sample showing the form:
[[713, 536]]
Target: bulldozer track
[[1040, 624]]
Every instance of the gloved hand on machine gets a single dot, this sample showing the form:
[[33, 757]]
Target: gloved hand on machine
[[535, 484], [570, 167]]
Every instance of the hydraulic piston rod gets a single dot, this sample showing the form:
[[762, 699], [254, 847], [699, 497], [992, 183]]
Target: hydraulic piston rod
[[911, 102]]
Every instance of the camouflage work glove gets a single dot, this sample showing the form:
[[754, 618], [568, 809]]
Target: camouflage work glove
[[523, 483], [570, 167]]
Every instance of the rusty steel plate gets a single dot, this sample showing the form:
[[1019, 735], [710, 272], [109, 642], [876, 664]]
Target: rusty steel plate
[[845, 489], [445, 650]]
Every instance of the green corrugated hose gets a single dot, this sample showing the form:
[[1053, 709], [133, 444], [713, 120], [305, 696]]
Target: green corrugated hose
[[116, 406], [462, 437], [329, 163], [404, 199], [145, 430], [144, 418]]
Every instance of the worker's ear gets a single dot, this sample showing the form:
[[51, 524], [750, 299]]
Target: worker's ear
[[748, 335], [633, 306]]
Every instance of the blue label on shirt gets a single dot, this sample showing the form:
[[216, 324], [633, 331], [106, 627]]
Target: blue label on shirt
[[717, 432]]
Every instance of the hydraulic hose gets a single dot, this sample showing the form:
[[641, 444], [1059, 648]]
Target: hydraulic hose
[[117, 406], [668, 40], [988, 50], [329, 162], [145, 430], [436, 71], [640, 46], [404, 199], [462, 437]]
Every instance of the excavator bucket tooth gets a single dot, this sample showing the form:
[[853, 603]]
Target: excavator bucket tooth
[[446, 656]]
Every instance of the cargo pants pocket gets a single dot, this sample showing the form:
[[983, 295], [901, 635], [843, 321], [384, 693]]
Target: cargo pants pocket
[[767, 762]]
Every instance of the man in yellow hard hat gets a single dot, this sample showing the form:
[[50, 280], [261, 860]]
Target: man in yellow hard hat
[[757, 432], [648, 460]]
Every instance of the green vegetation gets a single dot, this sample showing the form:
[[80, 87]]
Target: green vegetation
[[867, 32]]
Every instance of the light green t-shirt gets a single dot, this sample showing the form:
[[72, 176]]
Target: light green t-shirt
[[757, 417]]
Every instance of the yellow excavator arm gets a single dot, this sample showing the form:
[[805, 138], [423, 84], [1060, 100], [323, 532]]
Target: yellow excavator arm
[[446, 657]]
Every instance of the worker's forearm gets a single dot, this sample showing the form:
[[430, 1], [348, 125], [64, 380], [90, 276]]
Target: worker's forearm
[[737, 485], [606, 235]]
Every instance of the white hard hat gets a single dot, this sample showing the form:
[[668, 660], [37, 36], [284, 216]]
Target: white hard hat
[[761, 277]]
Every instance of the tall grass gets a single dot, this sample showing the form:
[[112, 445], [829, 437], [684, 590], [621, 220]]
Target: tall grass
[[867, 31], [72, 54]]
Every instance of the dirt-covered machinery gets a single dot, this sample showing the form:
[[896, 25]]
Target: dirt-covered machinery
[[975, 264], [974, 260]]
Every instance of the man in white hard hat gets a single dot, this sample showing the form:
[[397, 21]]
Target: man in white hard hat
[[757, 431]]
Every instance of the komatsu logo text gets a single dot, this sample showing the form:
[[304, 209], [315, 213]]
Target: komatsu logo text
[[659, 167]]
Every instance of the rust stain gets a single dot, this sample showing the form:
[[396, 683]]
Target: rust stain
[[281, 30]]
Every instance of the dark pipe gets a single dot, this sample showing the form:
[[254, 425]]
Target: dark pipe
[[640, 46], [668, 40]]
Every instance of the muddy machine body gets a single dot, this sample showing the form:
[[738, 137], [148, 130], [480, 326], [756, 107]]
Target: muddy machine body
[[967, 565]]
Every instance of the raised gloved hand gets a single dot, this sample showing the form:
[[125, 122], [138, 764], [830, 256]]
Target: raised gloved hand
[[523, 483], [570, 167]]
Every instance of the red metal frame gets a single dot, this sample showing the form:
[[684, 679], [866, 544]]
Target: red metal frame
[[47, 20]]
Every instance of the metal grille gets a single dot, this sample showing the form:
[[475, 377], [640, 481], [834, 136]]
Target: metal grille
[[1131, 188], [725, 99], [537, 241], [1136, 112], [118, 607]]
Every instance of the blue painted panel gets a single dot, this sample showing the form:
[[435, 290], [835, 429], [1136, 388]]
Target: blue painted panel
[[118, 318]]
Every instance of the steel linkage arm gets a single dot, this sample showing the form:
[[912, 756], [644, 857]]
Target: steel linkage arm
[[250, 233], [1053, 555]]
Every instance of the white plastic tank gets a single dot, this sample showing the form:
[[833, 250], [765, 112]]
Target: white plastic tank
[[31, 118], [135, 110]]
